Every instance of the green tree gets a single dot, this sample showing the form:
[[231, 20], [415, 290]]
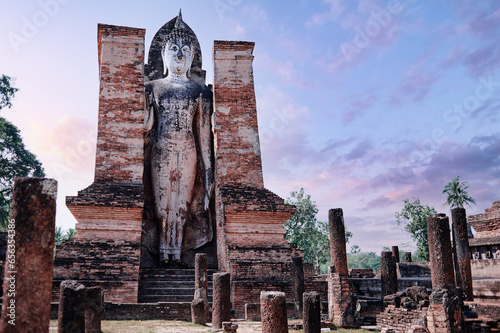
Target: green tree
[[7, 91], [62, 236], [457, 194], [363, 260], [306, 232], [15, 159], [414, 217]]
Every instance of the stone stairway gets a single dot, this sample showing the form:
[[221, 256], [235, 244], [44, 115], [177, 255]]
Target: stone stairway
[[175, 284]]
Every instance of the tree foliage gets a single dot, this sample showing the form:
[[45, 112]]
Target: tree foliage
[[363, 259], [306, 232], [15, 159], [7, 91], [457, 194], [414, 218], [62, 236]]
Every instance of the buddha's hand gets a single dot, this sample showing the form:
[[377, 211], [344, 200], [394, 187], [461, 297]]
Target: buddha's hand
[[209, 186]]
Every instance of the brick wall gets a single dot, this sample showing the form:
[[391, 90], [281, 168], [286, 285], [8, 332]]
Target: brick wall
[[237, 147], [112, 265], [486, 224], [120, 138], [340, 300], [399, 319]]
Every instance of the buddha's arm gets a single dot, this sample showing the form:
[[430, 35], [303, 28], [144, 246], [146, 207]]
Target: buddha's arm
[[205, 138], [148, 111]]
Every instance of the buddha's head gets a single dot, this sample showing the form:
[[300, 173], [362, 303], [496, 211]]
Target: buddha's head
[[178, 50]]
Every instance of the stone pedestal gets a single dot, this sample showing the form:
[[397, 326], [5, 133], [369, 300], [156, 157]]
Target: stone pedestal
[[27, 280], [388, 274], [461, 240], [312, 313], [341, 302], [72, 305], [273, 312], [221, 306]]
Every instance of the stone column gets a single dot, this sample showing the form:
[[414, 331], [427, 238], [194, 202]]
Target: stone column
[[221, 305], [72, 300], [388, 274], [440, 253], [200, 271], [28, 270], [297, 273], [395, 253], [445, 302], [93, 310], [273, 312], [312, 313], [341, 303], [200, 310], [407, 256], [337, 241], [464, 273]]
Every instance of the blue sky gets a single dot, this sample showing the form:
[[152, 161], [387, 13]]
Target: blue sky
[[362, 103]]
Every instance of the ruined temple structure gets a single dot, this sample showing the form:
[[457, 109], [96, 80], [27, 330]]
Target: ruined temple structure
[[116, 245], [485, 254]]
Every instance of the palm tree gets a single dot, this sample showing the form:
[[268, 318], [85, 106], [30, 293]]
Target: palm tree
[[457, 194]]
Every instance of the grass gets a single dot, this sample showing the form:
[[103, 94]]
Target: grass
[[164, 326]]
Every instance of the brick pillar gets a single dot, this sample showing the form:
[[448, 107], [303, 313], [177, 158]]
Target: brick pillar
[[297, 273], [388, 274], [120, 131], [464, 273], [273, 312], [72, 301], [395, 253], [221, 306], [236, 133], [28, 270], [440, 253], [445, 302], [337, 241], [312, 313], [93, 310], [407, 256]]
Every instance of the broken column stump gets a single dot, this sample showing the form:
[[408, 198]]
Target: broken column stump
[[221, 305], [408, 257], [199, 305], [388, 274], [395, 253], [273, 312], [445, 303], [298, 287], [464, 272], [312, 313], [93, 310], [28, 270], [341, 301], [72, 301]]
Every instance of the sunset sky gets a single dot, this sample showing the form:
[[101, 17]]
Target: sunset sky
[[361, 103]]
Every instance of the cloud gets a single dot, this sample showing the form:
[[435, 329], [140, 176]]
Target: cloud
[[335, 10], [356, 107], [483, 60], [67, 148], [414, 88]]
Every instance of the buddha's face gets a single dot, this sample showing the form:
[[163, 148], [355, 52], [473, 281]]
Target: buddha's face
[[178, 56]]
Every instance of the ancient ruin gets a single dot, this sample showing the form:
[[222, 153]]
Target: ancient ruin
[[178, 217]]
